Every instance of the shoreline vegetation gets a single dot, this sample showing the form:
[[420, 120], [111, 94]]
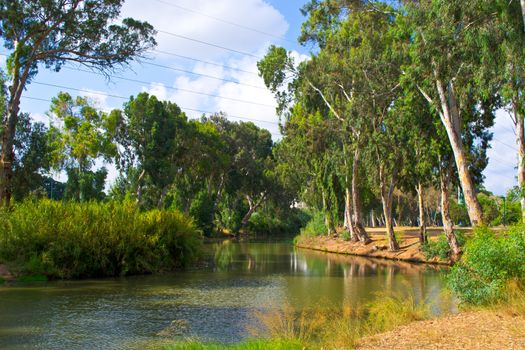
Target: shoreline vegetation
[[488, 282], [45, 239], [410, 249]]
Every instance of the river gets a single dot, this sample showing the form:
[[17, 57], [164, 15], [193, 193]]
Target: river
[[213, 303]]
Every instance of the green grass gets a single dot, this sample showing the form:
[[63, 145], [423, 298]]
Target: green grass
[[32, 278], [258, 344], [82, 240]]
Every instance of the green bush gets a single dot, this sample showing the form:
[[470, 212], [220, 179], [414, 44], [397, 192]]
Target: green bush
[[439, 248], [346, 235], [78, 240], [316, 226], [263, 223], [489, 263], [201, 209]]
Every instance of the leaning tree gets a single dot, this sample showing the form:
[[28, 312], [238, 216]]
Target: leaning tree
[[51, 33]]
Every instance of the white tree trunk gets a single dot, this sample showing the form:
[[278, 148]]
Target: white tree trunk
[[450, 116]]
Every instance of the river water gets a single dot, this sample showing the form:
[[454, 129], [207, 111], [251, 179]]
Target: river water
[[213, 303]]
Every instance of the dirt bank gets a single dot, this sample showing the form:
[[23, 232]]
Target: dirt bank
[[409, 248], [468, 330]]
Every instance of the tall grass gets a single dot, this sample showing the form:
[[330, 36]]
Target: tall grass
[[341, 328], [321, 327], [78, 240]]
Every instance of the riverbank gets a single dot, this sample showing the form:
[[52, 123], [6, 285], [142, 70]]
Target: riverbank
[[410, 248]]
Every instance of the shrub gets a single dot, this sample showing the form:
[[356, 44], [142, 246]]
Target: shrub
[[346, 235], [201, 209], [489, 263], [439, 248], [316, 226], [264, 223], [77, 240]]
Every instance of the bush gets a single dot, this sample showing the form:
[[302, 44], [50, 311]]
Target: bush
[[262, 223], [490, 262], [78, 240], [201, 209], [439, 248], [316, 226]]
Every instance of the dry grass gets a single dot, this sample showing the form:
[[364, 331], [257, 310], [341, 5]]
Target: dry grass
[[340, 328]]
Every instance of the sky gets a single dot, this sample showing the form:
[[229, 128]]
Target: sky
[[215, 79]]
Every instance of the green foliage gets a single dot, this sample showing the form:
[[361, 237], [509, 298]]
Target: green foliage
[[201, 211], [268, 223], [346, 235], [2, 281], [490, 261], [440, 248], [459, 213], [316, 226], [76, 240]]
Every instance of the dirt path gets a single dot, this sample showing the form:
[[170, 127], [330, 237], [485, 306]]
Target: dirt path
[[468, 331], [409, 248]]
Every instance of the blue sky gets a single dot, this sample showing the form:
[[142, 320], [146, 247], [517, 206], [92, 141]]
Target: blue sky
[[217, 91]]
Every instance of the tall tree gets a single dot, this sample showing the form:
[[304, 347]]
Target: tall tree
[[150, 133], [451, 52], [79, 138], [52, 33]]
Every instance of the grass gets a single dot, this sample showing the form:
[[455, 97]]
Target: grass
[[323, 328], [256, 344], [82, 240]]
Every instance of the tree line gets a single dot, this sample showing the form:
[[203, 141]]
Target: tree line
[[398, 96]]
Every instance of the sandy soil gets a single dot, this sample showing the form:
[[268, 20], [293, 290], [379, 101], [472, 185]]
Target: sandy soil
[[468, 330], [409, 248]]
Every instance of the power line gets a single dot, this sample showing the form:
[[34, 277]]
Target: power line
[[203, 75], [505, 144], [167, 87], [126, 98], [179, 70], [208, 43], [224, 20], [202, 61]]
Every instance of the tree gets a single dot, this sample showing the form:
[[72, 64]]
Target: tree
[[52, 33], [32, 157], [79, 138], [452, 54], [150, 133]]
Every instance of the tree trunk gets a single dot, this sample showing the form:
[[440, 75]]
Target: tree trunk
[[253, 207], [423, 239], [349, 225], [162, 197], [139, 187], [448, 224], [218, 198], [520, 142], [373, 218], [358, 220], [450, 116], [386, 199]]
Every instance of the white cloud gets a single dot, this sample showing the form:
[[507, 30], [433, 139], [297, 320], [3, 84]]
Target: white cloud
[[251, 13]]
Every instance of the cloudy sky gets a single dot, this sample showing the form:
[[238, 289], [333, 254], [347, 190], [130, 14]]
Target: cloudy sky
[[201, 77]]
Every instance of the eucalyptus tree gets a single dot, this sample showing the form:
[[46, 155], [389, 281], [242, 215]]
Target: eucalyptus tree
[[453, 54], [510, 29], [150, 134], [32, 157], [79, 137], [50, 33]]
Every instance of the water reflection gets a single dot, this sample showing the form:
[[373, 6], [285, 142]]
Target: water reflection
[[215, 303]]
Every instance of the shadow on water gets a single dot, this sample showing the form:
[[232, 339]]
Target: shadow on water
[[213, 303]]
